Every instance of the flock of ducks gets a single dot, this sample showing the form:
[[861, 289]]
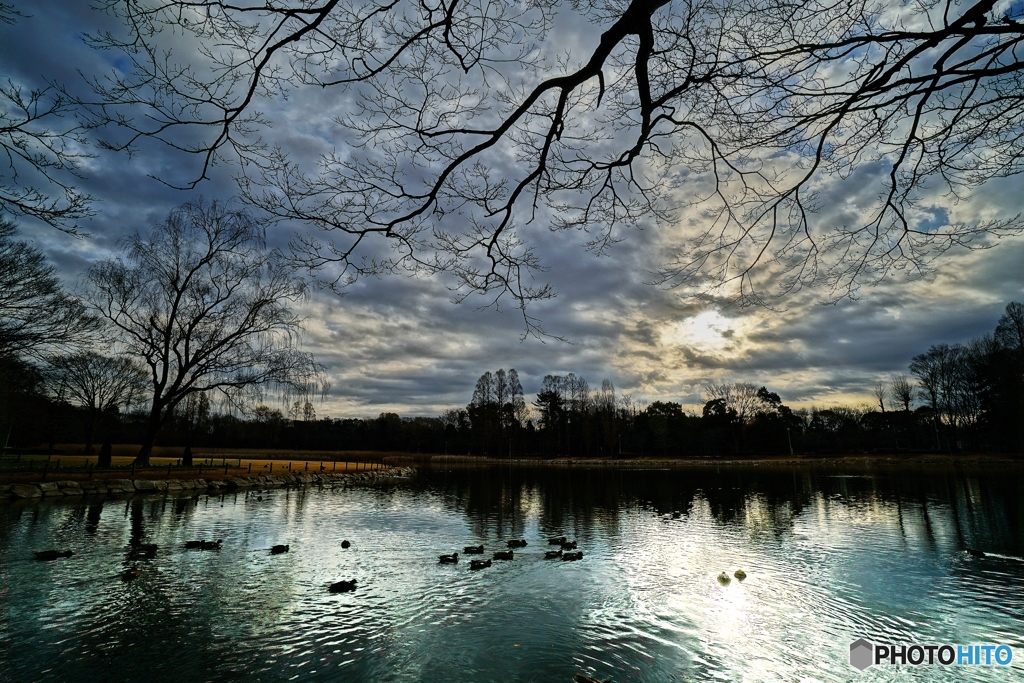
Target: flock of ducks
[[566, 545], [137, 550]]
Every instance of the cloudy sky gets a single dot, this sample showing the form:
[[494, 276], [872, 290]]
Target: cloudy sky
[[400, 344]]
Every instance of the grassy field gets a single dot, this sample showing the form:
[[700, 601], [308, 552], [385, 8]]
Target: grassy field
[[68, 458]]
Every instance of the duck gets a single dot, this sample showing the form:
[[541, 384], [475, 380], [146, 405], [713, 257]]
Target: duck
[[473, 550], [724, 579], [47, 555], [973, 552], [449, 559], [503, 555], [479, 564], [572, 557], [194, 545], [278, 549], [147, 550], [740, 574], [583, 678], [520, 543], [568, 545], [557, 540], [346, 544], [342, 587], [552, 554], [130, 575], [210, 545]]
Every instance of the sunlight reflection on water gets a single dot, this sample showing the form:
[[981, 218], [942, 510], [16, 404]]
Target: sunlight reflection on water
[[829, 559]]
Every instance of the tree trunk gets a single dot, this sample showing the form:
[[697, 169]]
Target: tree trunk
[[152, 427], [106, 458], [90, 433]]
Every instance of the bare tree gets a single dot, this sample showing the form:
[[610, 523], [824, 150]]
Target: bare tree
[[740, 396], [205, 308], [98, 384], [880, 392], [740, 108], [37, 316], [945, 374], [902, 390], [1010, 329]]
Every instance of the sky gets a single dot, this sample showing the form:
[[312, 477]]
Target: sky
[[399, 343]]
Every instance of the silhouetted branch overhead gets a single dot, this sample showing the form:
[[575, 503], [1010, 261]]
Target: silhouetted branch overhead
[[42, 145], [458, 125]]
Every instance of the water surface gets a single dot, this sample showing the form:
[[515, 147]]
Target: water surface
[[830, 555]]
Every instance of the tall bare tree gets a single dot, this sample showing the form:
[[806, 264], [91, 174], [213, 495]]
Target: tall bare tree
[[880, 392], [460, 122], [205, 307], [902, 390], [98, 384], [37, 316]]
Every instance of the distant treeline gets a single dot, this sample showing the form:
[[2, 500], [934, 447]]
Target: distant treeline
[[961, 397]]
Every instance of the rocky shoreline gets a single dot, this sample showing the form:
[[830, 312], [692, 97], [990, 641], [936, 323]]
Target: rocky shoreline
[[95, 487]]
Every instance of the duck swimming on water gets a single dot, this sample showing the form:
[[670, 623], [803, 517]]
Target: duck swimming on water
[[342, 586], [47, 555], [473, 550], [479, 564], [450, 559], [503, 555], [520, 543], [278, 549], [552, 554]]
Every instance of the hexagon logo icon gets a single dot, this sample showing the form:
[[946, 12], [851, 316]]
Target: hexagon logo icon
[[861, 652]]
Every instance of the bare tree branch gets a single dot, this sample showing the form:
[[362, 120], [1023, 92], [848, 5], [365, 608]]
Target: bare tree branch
[[459, 131]]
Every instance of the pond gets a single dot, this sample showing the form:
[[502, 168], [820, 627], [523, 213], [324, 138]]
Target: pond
[[830, 556]]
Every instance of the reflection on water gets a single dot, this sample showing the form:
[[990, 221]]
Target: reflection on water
[[829, 557]]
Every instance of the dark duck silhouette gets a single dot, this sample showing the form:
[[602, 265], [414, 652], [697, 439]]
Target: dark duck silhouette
[[568, 545], [140, 549], [450, 559], [514, 543], [473, 550], [557, 540], [552, 554], [974, 552], [479, 564], [346, 544], [342, 586], [503, 555], [48, 555], [278, 549], [571, 557]]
